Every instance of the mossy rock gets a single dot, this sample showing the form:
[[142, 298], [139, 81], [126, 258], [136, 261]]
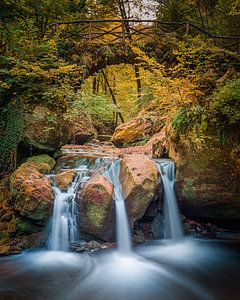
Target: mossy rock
[[96, 209], [44, 163], [96, 214], [47, 129], [208, 173], [32, 192]]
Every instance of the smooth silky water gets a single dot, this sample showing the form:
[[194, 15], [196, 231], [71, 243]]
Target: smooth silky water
[[173, 224], [64, 227], [122, 226], [173, 269]]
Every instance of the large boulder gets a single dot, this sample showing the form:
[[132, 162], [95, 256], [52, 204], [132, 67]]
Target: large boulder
[[64, 179], [47, 130], [32, 192], [138, 131], [96, 209], [208, 174], [16, 232], [139, 178]]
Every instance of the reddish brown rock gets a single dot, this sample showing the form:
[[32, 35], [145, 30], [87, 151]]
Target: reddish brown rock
[[32, 192], [96, 208], [138, 130], [139, 178], [64, 179]]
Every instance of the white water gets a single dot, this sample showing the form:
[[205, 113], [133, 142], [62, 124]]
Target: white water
[[64, 227], [122, 224], [173, 227]]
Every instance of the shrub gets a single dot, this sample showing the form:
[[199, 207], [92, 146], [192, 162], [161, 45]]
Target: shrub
[[189, 117], [225, 102]]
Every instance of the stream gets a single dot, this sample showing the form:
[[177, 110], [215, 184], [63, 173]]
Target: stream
[[192, 269], [176, 268]]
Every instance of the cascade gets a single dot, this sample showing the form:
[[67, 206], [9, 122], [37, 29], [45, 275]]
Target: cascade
[[64, 228], [122, 224], [173, 227]]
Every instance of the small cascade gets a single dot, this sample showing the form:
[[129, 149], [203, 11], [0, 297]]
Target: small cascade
[[122, 225], [64, 227], [173, 226]]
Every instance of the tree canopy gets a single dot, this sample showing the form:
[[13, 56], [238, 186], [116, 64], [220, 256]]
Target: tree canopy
[[44, 64]]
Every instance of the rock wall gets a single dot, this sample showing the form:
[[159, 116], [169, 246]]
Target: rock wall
[[208, 175]]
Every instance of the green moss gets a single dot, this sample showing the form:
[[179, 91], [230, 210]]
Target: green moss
[[225, 102], [138, 143], [43, 158], [25, 227], [98, 188], [12, 123], [96, 214], [38, 214]]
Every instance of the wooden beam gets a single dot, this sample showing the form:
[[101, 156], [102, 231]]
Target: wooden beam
[[112, 95]]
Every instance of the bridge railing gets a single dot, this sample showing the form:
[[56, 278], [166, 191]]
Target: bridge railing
[[136, 31]]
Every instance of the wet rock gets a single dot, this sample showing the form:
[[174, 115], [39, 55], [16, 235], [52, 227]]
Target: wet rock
[[73, 160], [139, 178], [91, 246], [138, 130], [200, 230], [96, 208], [138, 237], [14, 246], [157, 227], [82, 247], [64, 179], [32, 192]]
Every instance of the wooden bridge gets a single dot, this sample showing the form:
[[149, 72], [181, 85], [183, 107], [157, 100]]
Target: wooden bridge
[[137, 31]]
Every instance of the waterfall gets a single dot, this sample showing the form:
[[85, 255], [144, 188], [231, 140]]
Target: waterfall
[[173, 227], [122, 224], [64, 228]]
